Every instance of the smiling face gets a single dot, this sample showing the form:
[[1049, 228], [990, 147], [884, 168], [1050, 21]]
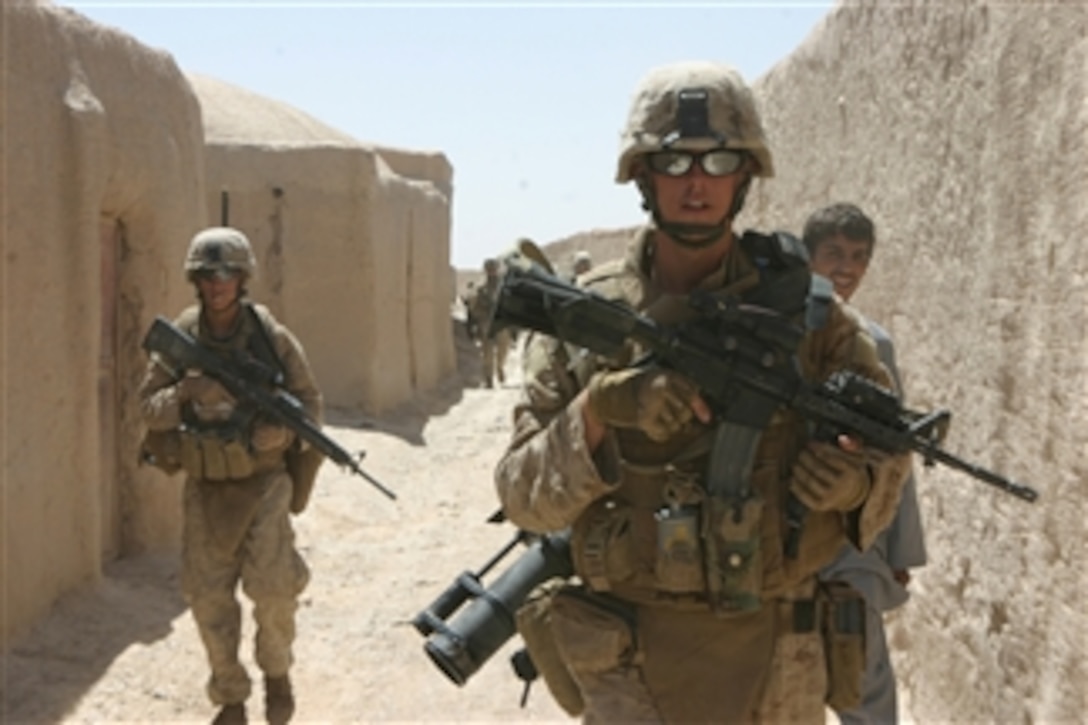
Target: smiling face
[[843, 261]]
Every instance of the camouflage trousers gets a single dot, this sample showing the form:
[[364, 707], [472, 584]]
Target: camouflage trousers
[[493, 352], [270, 570]]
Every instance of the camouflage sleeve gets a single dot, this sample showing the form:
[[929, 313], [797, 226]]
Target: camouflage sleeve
[[548, 476], [843, 343], [158, 396], [300, 380]]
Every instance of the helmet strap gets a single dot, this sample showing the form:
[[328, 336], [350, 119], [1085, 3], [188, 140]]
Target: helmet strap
[[695, 236]]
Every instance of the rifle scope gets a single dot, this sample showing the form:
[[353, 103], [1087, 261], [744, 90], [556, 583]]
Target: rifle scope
[[461, 647]]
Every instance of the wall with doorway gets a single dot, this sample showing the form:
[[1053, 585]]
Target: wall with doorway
[[107, 172], [961, 128]]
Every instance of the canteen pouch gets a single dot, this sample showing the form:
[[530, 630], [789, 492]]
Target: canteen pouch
[[534, 623], [593, 634], [162, 449], [843, 629]]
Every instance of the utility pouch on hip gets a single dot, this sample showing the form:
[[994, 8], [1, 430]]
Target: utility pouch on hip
[[534, 622], [843, 630], [593, 633], [162, 449], [678, 567], [734, 557]]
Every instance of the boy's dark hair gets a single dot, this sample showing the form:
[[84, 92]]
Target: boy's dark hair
[[845, 219]]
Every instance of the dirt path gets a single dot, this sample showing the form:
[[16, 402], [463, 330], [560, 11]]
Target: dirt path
[[127, 651]]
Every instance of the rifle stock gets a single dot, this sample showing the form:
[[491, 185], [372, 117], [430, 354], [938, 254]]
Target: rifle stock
[[183, 352]]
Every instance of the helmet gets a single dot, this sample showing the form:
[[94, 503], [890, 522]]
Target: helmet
[[657, 122], [491, 265], [220, 249], [582, 256]]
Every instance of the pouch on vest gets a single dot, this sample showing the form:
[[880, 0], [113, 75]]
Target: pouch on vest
[[162, 449], [734, 554], [534, 624], [302, 466], [603, 547], [592, 634], [211, 458], [843, 630], [678, 567]]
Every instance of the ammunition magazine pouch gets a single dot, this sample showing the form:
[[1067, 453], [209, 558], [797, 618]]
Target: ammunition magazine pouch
[[214, 455], [843, 628], [534, 624], [734, 558]]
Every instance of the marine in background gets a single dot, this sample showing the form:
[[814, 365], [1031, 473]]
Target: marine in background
[[238, 494]]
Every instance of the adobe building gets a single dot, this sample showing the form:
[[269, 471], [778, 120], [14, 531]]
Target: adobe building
[[97, 202], [352, 241], [961, 128], [108, 175]]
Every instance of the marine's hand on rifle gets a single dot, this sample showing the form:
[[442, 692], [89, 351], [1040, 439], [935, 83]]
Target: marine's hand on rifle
[[210, 400], [270, 437], [831, 476], [657, 401]]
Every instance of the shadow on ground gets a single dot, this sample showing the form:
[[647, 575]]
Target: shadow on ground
[[136, 602]]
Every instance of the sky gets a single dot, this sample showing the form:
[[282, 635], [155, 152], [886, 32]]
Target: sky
[[526, 99]]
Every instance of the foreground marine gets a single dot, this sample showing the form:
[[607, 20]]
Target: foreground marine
[[628, 455]]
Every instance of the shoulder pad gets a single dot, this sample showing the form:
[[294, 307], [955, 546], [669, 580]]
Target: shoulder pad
[[265, 316]]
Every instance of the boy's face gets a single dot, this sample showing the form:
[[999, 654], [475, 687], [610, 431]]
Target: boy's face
[[843, 261]]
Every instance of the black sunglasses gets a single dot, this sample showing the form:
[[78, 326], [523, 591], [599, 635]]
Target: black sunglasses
[[718, 162], [223, 273]]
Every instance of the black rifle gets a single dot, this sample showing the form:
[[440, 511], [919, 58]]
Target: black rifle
[[183, 352], [741, 358]]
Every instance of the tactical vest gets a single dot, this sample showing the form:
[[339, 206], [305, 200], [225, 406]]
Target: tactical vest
[[251, 349], [647, 540]]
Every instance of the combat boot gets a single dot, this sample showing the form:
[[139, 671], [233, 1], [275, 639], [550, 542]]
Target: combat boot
[[233, 714], [279, 700]]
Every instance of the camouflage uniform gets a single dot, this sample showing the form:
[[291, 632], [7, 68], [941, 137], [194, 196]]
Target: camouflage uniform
[[237, 527], [636, 632], [493, 347]]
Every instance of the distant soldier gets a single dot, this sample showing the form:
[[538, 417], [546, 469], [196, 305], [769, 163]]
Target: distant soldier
[[481, 305], [238, 492], [583, 262]]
